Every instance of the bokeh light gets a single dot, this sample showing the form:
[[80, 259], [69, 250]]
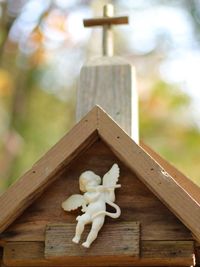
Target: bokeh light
[[43, 45]]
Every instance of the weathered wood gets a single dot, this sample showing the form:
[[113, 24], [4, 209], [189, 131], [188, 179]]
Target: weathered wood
[[168, 252], [1, 255], [105, 21], [107, 41], [151, 174], [110, 83], [180, 178], [197, 253], [148, 212], [153, 253], [116, 239], [137, 202], [24, 253], [31, 185]]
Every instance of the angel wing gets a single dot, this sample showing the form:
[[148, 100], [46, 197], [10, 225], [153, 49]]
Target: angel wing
[[110, 179], [73, 202]]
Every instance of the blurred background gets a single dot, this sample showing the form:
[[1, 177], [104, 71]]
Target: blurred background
[[43, 45]]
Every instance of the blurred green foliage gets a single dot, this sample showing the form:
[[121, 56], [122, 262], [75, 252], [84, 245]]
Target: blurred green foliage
[[166, 125], [40, 60]]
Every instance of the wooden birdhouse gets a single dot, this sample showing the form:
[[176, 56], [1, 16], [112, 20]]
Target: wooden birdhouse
[[159, 223]]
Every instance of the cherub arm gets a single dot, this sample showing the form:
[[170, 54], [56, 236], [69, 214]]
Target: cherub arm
[[102, 188], [84, 205], [94, 188], [91, 197]]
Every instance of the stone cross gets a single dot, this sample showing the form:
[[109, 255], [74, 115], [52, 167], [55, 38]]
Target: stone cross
[[106, 22]]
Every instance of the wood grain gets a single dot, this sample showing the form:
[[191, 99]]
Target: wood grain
[[168, 252], [151, 174], [110, 83], [116, 239], [154, 253], [20, 195], [137, 202]]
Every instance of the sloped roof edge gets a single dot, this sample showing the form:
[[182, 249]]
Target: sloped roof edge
[[187, 184], [182, 202], [25, 190], [158, 180]]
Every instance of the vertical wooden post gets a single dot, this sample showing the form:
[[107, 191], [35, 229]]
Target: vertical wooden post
[[108, 11], [111, 84], [109, 81]]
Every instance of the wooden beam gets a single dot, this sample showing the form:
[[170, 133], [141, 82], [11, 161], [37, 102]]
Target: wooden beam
[[105, 21], [24, 254], [151, 174], [167, 252], [153, 253], [185, 182], [115, 239], [197, 253], [20, 195], [110, 83], [34, 231], [1, 255]]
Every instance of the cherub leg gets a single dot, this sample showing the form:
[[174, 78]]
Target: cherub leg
[[96, 226], [82, 221]]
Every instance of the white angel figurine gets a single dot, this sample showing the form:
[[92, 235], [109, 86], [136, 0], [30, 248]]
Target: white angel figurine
[[93, 202]]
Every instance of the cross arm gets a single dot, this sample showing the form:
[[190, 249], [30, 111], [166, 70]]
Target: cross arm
[[105, 21]]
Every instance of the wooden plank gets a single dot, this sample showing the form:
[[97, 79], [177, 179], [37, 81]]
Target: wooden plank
[[19, 196], [105, 21], [116, 239], [24, 253], [154, 253], [1, 255], [152, 229], [151, 174], [168, 252], [137, 202], [197, 253], [110, 83], [184, 181]]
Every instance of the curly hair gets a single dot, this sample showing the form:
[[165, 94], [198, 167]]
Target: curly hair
[[88, 178]]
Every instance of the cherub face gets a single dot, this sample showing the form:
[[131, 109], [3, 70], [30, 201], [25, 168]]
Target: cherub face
[[88, 178]]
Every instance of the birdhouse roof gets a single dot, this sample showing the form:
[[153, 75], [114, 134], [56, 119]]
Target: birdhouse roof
[[175, 190]]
